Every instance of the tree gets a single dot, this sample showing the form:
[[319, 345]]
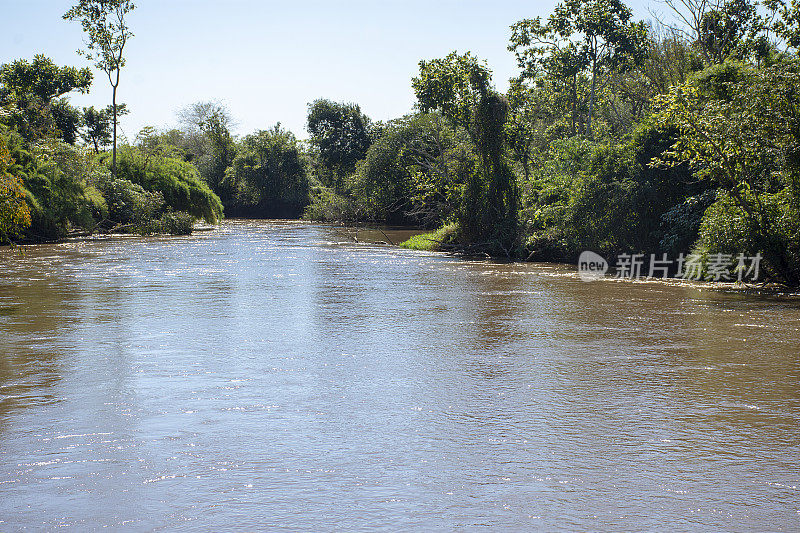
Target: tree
[[740, 128], [208, 140], [41, 79], [581, 35], [34, 90], [784, 20], [731, 32], [341, 133], [14, 213], [104, 23], [691, 14], [459, 87], [269, 174], [415, 171], [97, 125], [97, 128], [529, 118]]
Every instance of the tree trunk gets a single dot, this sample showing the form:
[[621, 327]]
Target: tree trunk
[[574, 103], [591, 99], [114, 149]]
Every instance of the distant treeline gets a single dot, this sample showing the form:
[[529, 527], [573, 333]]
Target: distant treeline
[[615, 136]]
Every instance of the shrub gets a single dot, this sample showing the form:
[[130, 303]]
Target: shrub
[[179, 183], [129, 203]]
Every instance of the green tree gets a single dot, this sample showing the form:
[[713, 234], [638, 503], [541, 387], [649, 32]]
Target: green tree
[[594, 36], [731, 32], [97, 128], [208, 141], [459, 87], [415, 171], [341, 133], [41, 79], [33, 90], [104, 23], [740, 129], [268, 175]]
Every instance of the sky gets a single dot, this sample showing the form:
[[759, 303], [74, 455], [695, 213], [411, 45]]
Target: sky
[[267, 60]]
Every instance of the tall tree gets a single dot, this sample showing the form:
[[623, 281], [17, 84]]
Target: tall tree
[[208, 141], [104, 23], [591, 35], [341, 132], [459, 87]]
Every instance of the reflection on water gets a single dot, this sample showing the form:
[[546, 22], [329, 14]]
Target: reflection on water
[[281, 376]]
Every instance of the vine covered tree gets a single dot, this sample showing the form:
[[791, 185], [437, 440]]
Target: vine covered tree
[[459, 87], [104, 22]]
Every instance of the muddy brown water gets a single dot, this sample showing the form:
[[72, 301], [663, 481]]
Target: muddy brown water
[[278, 376]]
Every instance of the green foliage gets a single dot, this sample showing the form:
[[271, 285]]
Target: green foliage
[[415, 171], [178, 182], [742, 132], [453, 85], [175, 223], [41, 79], [14, 211], [97, 125], [592, 38], [268, 176], [32, 91], [727, 228], [341, 134], [133, 208], [732, 32], [56, 176], [434, 241], [103, 21], [130, 203], [205, 140], [327, 206]]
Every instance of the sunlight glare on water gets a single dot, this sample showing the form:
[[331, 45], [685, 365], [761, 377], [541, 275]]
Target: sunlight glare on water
[[279, 376]]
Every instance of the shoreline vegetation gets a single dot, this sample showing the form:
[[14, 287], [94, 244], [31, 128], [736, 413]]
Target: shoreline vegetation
[[615, 136]]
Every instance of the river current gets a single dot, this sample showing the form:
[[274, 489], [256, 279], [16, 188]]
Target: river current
[[279, 376]]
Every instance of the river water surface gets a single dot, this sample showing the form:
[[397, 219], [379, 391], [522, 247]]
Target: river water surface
[[273, 376]]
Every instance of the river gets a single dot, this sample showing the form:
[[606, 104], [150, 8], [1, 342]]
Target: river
[[277, 376]]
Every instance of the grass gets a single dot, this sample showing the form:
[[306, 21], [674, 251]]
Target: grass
[[431, 242]]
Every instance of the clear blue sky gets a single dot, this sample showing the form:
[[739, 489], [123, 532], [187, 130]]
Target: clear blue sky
[[266, 60]]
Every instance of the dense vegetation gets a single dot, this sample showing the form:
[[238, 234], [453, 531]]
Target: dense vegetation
[[615, 136]]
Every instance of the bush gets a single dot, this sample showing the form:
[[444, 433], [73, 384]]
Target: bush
[[172, 223], [327, 206], [55, 177], [129, 203], [432, 242], [179, 183], [773, 230]]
